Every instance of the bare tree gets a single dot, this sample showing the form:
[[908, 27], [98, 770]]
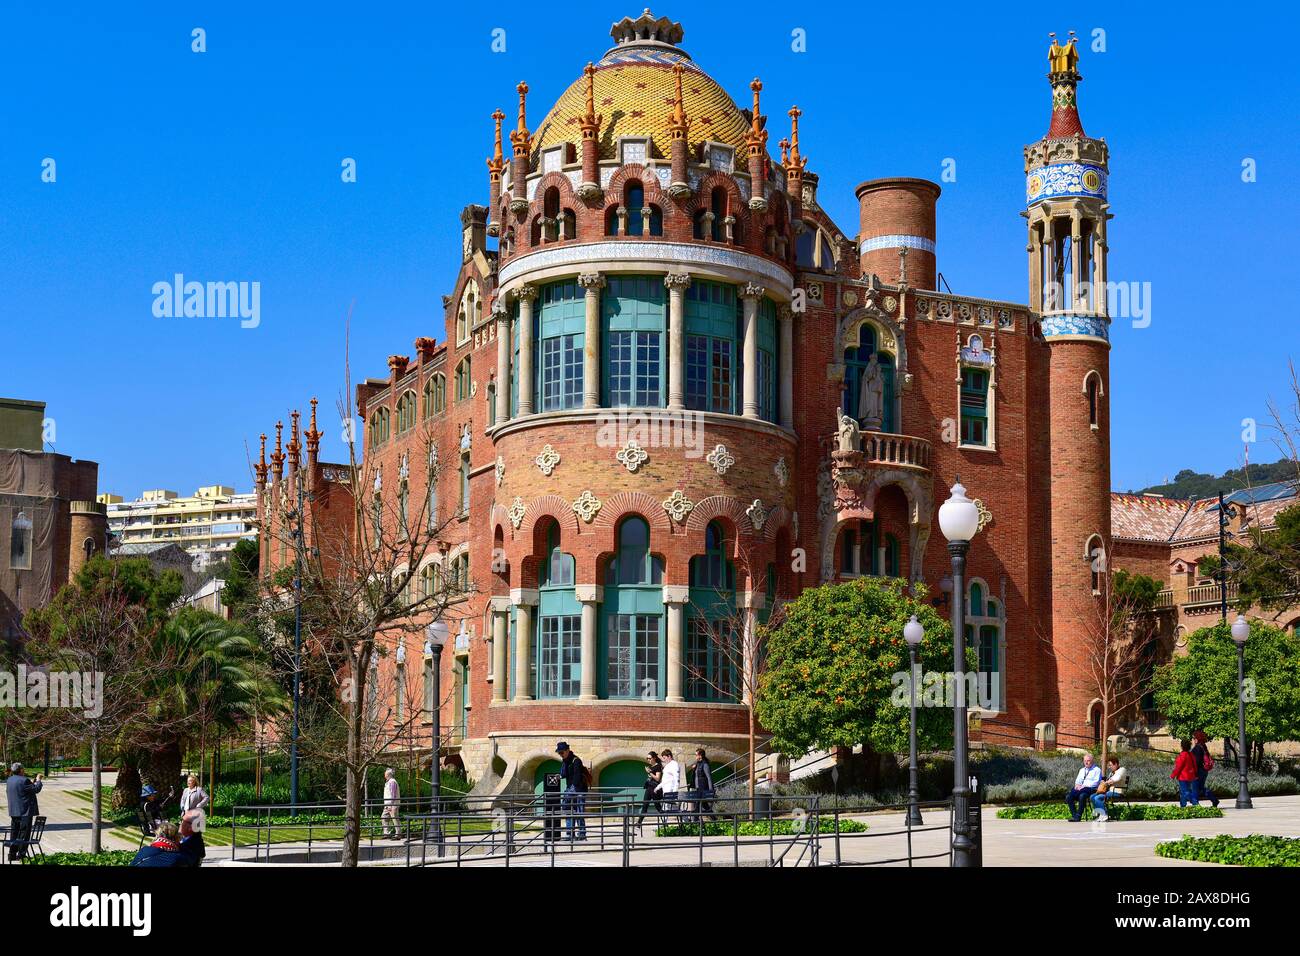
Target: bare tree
[[1115, 638], [365, 605]]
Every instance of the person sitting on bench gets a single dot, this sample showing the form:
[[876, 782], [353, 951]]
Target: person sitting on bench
[[1085, 785], [1110, 788]]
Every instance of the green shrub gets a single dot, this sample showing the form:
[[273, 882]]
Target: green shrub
[[106, 858], [783, 827], [1254, 850], [1115, 811]]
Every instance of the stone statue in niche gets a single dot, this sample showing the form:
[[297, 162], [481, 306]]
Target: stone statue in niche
[[849, 439], [871, 398]]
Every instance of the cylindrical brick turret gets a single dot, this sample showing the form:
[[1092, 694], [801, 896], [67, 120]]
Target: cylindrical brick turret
[[895, 214], [88, 534]]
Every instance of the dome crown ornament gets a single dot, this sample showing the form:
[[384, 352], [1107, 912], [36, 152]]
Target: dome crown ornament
[[1064, 77], [647, 30]]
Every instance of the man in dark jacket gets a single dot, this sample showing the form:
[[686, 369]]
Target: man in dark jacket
[[574, 799], [21, 791]]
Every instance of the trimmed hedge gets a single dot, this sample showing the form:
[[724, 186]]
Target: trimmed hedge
[[1115, 811], [106, 858], [1254, 850], [756, 828]]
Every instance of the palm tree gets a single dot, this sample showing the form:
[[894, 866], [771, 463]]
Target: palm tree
[[219, 682]]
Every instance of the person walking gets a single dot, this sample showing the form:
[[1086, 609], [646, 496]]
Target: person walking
[[654, 772], [193, 797], [392, 801], [702, 774], [21, 791], [1204, 764], [1185, 773], [671, 782], [573, 802]]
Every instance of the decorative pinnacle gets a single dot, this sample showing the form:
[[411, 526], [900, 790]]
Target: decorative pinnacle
[[785, 151], [1063, 74], [757, 134], [259, 467], [679, 122], [591, 121], [521, 137], [796, 161], [313, 433], [498, 161]]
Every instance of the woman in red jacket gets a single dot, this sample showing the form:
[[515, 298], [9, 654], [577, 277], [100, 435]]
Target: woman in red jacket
[[1185, 774]]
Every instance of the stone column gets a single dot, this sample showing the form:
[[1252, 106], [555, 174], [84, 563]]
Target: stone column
[[1099, 265], [1076, 263], [785, 319], [500, 637], [749, 603], [675, 598], [592, 282], [677, 283], [590, 596], [503, 367], [524, 600], [526, 294], [752, 294]]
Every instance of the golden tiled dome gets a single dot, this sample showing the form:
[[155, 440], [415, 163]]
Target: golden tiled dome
[[634, 92]]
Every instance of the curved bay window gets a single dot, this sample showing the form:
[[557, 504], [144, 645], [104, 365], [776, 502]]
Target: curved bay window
[[633, 311], [713, 645], [561, 332], [633, 640], [984, 628], [712, 346], [866, 363], [557, 662]]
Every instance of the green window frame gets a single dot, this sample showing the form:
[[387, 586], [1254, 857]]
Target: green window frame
[[634, 322], [560, 330], [713, 353], [974, 406]]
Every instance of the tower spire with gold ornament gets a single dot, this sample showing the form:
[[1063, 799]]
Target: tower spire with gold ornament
[[1064, 76], [522, 141], [496, 166], [679, 124], [756, 141], [589, 188]]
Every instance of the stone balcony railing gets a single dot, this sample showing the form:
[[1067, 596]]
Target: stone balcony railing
[[899, 451]]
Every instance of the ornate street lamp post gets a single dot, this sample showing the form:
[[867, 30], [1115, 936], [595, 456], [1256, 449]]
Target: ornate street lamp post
[[1240, 632], [959, 520], [436, 636], [913, 633]]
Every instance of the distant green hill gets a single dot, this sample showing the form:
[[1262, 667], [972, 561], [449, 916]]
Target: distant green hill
[[1191, 484]]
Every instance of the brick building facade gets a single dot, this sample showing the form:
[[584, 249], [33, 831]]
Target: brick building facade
[[674, 393]]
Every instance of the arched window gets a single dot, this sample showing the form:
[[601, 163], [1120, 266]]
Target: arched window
[[656, 220], [712, 640], [712, 569], [611, 221], [633, 201], [718, 206], [406, 406], [805, 247], [858, 368], [491, 404], [1095, 551], [435, 395], [468, 313], [633, 632], [463, 379], [1092, 392], [377, 517], [429, 582], [380, 422], [558, 660], [892, 556], [20, 542]]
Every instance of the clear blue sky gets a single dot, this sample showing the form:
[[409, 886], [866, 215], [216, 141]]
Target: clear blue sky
[[225, 166]]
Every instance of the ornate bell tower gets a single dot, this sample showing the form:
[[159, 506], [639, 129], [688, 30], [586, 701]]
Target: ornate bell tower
[[1066, 174]]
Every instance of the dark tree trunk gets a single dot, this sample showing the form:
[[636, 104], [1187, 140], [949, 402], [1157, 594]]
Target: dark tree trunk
[[162, 771], [126, 792]]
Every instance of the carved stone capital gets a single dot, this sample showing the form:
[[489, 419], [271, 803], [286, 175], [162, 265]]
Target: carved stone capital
[[677, 281], [590, 192], [526, 292], [591, 280]]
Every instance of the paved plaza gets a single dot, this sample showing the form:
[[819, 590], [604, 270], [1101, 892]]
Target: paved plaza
[[1006, 842]]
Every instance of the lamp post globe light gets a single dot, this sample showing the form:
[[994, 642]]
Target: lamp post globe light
[[913, 634], [959, 520], [436, 636], [1240, 632]]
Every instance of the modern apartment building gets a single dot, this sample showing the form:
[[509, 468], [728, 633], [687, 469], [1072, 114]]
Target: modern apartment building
[[207, 523]]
